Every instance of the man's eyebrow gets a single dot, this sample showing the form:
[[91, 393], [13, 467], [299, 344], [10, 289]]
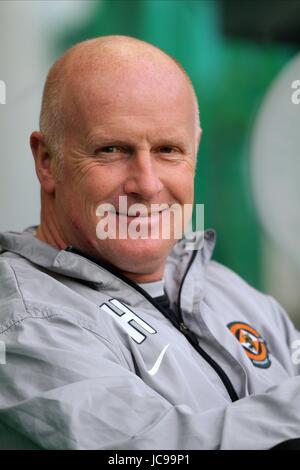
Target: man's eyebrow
[[103, 138], [111, 138], [174, 139], [108, 141]]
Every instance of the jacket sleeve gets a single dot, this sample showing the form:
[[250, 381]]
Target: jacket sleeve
[[60, 390]]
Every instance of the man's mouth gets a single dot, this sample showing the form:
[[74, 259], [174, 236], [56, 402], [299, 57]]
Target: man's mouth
[[149, 215]]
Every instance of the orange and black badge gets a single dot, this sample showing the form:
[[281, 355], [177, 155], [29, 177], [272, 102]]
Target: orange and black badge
[[252, 342]]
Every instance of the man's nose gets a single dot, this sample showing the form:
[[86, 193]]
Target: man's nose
[[143, 180]]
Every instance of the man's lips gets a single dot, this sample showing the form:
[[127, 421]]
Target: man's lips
[[142, 216]]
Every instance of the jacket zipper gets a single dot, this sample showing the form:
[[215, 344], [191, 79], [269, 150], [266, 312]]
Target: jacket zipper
[[192, 338], [178, 322]]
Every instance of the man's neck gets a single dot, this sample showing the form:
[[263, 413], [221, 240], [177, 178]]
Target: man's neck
[[45, 234]]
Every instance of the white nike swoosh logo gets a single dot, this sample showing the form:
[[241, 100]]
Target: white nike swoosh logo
[[158, 362]]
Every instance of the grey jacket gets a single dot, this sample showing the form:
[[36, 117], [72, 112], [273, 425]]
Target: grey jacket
[[93, 363]]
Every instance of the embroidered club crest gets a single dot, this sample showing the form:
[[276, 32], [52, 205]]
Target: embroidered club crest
[[252, 342]]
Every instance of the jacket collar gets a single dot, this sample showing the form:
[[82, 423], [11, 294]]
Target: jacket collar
[[77, 266]]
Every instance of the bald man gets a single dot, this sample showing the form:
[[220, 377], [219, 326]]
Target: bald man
[[115, 338]]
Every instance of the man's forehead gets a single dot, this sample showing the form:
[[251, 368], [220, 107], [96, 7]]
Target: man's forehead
[[163, 120], [139, 95], [112, 130], [102, 98], [128, 82]]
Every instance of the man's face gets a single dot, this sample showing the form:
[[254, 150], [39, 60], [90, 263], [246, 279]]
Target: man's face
[[130, 137]]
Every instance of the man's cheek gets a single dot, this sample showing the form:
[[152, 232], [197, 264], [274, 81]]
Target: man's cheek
[[186, 194]]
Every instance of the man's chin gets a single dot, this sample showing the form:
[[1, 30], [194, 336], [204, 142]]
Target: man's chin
[[133, 254]]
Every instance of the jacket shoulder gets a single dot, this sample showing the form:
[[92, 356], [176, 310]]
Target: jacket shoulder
[[220, 275], [232, 288], [15, 305], [31, 291]]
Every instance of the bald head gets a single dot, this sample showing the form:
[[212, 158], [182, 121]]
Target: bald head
[[128, 64]]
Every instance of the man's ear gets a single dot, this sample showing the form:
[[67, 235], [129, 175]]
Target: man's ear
[[44, 166]]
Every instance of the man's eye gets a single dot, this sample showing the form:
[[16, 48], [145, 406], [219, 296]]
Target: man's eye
[[110, 149], [166, 149]]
